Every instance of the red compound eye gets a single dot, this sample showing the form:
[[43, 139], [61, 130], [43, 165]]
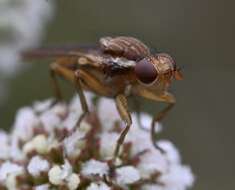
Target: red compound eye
[[145, 71]]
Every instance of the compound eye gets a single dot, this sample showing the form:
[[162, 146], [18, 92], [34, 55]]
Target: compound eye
[[145, 71]]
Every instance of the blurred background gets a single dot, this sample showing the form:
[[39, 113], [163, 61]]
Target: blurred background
[[198, 34]]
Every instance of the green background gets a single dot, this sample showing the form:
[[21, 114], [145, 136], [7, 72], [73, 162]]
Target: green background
[[198, 34]]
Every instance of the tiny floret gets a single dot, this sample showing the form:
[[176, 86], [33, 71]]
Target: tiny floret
[[55, 175], [94, 167], [127, 175], [98, 186], [38, 143], [37, 165], [73, 181]]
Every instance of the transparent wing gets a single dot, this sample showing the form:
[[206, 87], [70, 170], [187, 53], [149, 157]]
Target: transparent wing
[[54, 51]]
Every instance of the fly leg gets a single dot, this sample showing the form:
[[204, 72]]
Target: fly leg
[[60, 70], [138, 115], [82, 97], [165, 97], [158, 118], [92, 83], [122, 107], [55, 85], [83, 78]]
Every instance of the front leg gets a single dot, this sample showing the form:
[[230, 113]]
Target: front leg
[[164, 97], [158, 118]]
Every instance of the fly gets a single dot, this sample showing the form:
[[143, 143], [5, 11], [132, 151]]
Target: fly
[[117, 68]]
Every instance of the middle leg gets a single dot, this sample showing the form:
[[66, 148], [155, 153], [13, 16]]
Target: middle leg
[[122, 107], [84, 78]]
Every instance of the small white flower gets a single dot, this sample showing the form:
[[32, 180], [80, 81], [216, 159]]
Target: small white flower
[[127, 175], [9, 168], [178, 177], [49, 120], [22, 23], [25, 121], [55, 175], [39, 143], [11, 183], [71, 120], [37, 165], [146, 120], [66, 170], [75, 110], [138, 137], [63, 175], [52, 142], [171, 152], [98, 186], [28, 147], [4, 138], [107, 113], [40, 106], [42, 187], [152, 162], [74, 143], [15, 152], [4, 144], [73, 181], [84, 127], [108, 142], [94, 167], [75, 104]]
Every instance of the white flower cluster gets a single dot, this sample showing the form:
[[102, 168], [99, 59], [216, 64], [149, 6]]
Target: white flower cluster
[[21, 27], [46, 150]]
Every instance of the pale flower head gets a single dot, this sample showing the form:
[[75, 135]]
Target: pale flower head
[[94, 167], [21, 26], [108, 113], [4, 144], [74, 144], [37, 165], [127, 175], [98, 186], [178, 177], [55, 153], [8, 168], [171, 153], [63, 175], [42, 187], [108, 142], [26, 120]]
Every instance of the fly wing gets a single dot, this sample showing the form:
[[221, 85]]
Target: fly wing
[[94, 56], [59, 51]]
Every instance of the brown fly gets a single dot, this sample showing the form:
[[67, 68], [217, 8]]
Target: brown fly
[[118, 68]]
